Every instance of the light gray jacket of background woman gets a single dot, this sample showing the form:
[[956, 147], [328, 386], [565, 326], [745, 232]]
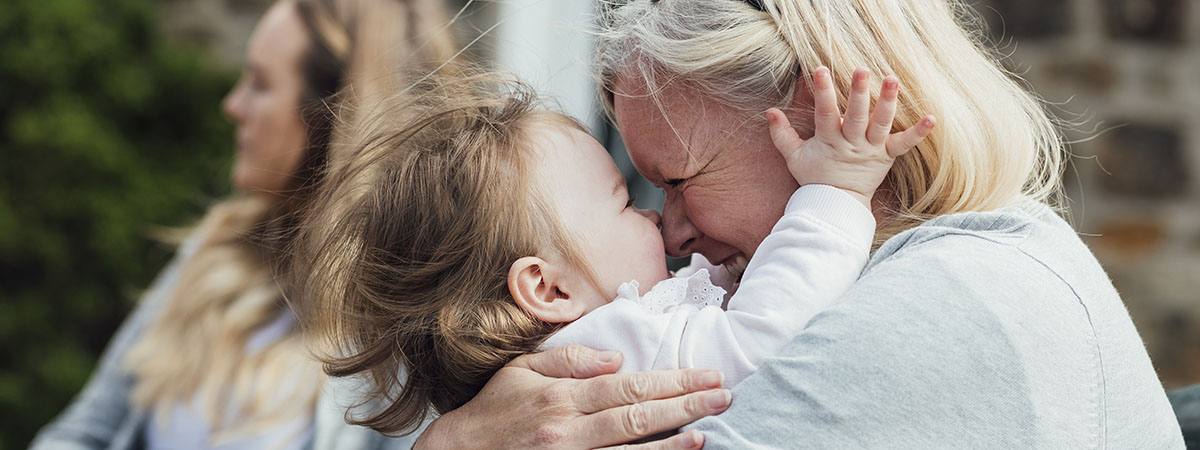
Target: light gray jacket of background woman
[[101, 417], [974, 330]]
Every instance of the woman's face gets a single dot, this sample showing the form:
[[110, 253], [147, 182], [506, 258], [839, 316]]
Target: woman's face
[[265, 104], [725, 183]]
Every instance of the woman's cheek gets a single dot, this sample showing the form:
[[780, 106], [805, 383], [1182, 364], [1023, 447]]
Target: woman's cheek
[[729, 220], [700, 212]]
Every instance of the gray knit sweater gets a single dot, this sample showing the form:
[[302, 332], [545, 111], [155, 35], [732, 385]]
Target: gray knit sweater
[[976, 330]]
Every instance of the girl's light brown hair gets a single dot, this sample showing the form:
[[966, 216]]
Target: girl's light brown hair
[[409, 254]]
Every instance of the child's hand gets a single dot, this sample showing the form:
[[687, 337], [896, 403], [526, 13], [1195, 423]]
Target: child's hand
[[853, 153]]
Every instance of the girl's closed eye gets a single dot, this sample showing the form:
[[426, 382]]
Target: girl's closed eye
[[632, 199]]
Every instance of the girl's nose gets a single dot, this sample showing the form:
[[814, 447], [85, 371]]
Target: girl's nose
[[652, 215]]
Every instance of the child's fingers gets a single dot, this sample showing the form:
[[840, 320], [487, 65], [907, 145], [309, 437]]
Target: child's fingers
[[900, 143], [825, 109], [859, 106], [885, 111], [785, 138]]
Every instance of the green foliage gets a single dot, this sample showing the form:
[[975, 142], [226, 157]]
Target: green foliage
[[106, 130]]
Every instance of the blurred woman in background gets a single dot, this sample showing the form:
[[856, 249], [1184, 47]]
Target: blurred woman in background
[[211, 356]]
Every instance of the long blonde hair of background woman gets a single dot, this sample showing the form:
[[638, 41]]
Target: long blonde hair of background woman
[[227, 290], [994, 145]]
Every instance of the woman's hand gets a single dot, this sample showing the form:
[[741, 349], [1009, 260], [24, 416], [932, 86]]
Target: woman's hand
[[569, 397]]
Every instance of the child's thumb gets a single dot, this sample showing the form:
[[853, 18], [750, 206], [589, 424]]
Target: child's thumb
[[785, 138]]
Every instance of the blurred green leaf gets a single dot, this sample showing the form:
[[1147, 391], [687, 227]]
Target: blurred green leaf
[[106, 129]]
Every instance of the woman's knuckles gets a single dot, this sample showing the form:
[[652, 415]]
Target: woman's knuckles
[[636, 422], [636, 388], [550, 435], [578, 360]]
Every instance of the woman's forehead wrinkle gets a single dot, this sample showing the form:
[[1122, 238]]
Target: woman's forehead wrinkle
[[718, 170], [691, 142], [684, 143]]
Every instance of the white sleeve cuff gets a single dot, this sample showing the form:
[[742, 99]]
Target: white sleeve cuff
[[835, 207]]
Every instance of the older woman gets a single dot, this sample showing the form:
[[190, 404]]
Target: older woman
[[981, 321], [211, 357]]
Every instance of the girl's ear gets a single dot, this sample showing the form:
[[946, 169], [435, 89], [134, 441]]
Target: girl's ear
[[538, 289]]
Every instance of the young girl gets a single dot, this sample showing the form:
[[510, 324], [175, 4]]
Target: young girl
[[469, 227]]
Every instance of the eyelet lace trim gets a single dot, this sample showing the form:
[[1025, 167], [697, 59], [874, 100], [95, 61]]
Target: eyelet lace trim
[[696, 289]]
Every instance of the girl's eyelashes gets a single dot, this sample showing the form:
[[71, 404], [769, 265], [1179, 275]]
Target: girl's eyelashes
[[632, 198]]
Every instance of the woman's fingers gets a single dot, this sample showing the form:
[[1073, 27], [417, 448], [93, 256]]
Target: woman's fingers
[[572, 361], [613, 391], [900, 143], [885, 111], [639, 420], [688, 440], [858, 109], [785, 138], [825, 109]]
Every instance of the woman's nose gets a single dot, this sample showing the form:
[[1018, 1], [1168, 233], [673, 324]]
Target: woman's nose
[[679, 233], [651, 214], [232, 104]]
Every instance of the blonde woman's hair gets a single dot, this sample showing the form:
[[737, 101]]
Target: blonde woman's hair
[[409, 253], [227, 289], [994, 144]]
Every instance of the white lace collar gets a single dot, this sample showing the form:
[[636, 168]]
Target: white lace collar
[[696, 289]]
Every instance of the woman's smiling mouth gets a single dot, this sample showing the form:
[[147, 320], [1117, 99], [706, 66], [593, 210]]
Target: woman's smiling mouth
[[736, 266]]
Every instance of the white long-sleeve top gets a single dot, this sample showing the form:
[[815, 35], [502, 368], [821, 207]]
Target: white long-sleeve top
[[815, 252]]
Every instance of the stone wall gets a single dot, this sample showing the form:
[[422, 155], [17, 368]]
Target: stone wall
[[1127, 72], [220, 26]]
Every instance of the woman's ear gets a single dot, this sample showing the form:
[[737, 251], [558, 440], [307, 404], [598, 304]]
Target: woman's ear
[[800, 109], [802, 93], [538, 289]]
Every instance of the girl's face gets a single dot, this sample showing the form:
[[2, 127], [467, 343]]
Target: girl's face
[[622, 243], [265, 104]]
